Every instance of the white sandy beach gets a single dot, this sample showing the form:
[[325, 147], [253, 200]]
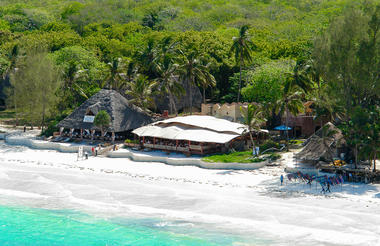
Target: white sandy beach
[[249, 202]]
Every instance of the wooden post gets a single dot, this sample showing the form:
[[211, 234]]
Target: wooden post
[[81, 133], [189, 147]]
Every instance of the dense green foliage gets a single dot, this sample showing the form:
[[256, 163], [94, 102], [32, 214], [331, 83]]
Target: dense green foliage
[[325, 51], [86, 36]]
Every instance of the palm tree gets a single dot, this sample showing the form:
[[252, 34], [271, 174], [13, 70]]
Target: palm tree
[[73, 75], [242, 48], [290, 103], [141, 91], [168, 82], [299, 78], [166, 69], [208, 80], [116, 68], [147, 57], [253, 119], [191, 70]]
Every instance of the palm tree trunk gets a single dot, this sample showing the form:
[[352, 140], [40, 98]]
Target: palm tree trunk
[[374, 162], [191, 95], [16, 108], [253, 143], [173, 108], [204, 95], [238, 95], [286, 128], [356, 156]]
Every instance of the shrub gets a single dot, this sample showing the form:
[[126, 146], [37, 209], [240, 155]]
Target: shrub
[[131, 141], [269, 144], [296, 141], [274, 156]]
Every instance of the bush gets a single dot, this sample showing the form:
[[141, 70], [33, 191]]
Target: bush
[[296, 141], [131, 141], [274, 156], [269, 144]]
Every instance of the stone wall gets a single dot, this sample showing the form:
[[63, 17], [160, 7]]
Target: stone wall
[[225, 111]]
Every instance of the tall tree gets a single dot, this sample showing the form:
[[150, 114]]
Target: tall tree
[[168, 81], [253, 119], [208, 80], [242, 49], [191, 69], [299, 78], [141, 90], [39, 78], [116, 67], [291, 102], [166, 69]]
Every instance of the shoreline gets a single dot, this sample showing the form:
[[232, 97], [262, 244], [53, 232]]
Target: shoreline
[[154, 156], [246, 201]]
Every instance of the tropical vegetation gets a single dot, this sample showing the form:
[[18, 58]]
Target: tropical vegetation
[[279, 54]]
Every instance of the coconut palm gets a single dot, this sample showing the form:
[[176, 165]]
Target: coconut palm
[[191, 69], [290, 103], [141, 91], [168, 82], [73, 75], [299, 77], [115, 70], [166, 68], [253, 119], [208, 80], [146, 58], [242, 49]]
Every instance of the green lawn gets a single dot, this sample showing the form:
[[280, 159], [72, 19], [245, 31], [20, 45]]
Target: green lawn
[[239, 157]]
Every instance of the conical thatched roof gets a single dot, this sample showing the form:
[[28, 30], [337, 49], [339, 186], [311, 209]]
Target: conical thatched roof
[[326, 147], [124, 116]]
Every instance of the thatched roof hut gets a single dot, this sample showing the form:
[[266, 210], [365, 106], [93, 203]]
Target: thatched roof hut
[[323, 145], [124, 115]]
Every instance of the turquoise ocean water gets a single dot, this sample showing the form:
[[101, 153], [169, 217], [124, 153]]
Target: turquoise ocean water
[[21, 226]]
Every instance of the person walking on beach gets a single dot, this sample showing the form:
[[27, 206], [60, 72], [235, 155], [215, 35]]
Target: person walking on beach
[[328, 186], [282, 179]]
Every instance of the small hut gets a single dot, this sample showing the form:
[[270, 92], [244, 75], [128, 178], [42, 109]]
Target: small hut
[[327, 143], [124, 117]]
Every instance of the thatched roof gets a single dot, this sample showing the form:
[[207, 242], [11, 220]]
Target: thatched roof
[[318, 147], [124, 116]]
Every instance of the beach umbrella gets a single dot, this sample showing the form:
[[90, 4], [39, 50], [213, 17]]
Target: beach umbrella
[[282, 128]]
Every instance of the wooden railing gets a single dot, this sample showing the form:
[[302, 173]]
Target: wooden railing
[[196, 149]]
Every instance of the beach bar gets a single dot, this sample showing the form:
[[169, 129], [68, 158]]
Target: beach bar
[[196, 134], [124, 118]]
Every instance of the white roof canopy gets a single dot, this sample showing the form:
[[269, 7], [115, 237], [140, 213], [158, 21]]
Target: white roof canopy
[[184, 133], [197, 128], [207, 122]]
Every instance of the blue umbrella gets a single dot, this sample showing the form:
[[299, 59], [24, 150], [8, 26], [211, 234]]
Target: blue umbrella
[[282, 128]]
